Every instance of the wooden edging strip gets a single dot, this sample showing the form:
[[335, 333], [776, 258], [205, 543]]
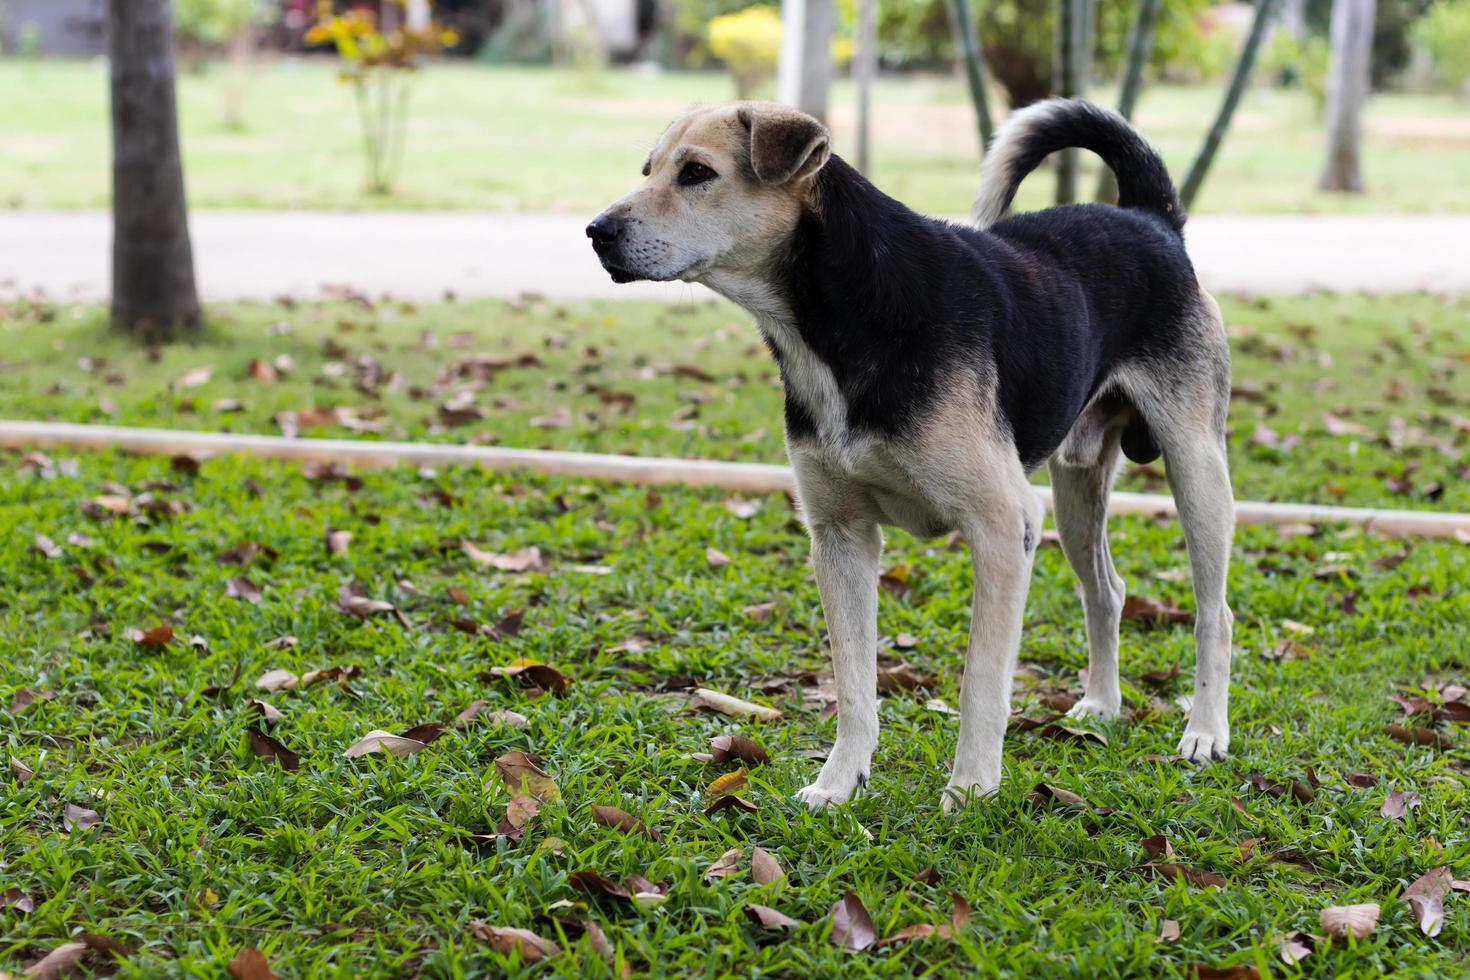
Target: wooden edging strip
[[742, 477]]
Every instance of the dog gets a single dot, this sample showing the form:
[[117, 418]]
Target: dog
[[930, 368]]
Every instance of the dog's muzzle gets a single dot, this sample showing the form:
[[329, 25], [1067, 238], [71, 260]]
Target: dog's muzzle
[[606, 232]]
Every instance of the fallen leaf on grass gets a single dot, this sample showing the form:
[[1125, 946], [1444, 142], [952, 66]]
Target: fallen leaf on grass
[[620, 819], [268, 712], [57, 962], [1342, 920], [1295, 947], [194, 378], [46, 546], [761, 610], [277, 680], [730, 802], [75, 817], [14, 898], [271, 750], [498, 717], [243, 588], [1198, 877], [716, 558], [525, 560], [929, 876], [23, 773], [1155, 611], [729, 705], [603, 947], [1397, 805], [724, 748], [764, 868], [504, 939], [533, 674], [326, 675], [1416, 736], [1240, 971], [1157, 846], [381, 741], [852, 927], [250, 964], [725, 865], [1169, 931], [153, 639], [518, 813], [959, 916], [1061, 733], [729, 783], [742, 507], [522, 774], [1426, 899], [25, 697], [637, 890], [338, 542], [1044, 794], [768, 918], [901, 678]]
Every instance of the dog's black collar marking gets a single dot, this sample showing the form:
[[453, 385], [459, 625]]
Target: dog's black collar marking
[[1042, 305]]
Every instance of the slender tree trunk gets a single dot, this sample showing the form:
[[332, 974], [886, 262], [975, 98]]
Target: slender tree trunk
[[806, 55], [967, 33], [864, 72], [1347, 89], [1069, 72], [239, 49], [153, 293], [1239, 79], [1140, 49]]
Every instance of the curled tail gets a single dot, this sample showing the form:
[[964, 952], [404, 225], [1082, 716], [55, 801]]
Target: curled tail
[[1038, 130]]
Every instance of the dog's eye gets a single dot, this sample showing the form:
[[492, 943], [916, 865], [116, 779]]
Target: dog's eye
[[695, 173]]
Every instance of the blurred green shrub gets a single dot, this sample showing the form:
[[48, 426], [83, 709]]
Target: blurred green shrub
[[1293, 62], [1445, 32]]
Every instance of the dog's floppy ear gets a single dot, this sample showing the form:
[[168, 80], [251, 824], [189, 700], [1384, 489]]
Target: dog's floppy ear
[[785, 144]]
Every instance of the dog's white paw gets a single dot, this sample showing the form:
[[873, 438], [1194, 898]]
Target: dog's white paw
[[1094, 708], [1204, 744], [819, 797]]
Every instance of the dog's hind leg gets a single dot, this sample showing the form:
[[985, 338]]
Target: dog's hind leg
[[1003, 538], [1080, 503]]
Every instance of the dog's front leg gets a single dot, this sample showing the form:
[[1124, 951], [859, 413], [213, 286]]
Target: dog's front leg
[[845, 556], [1003, 544]]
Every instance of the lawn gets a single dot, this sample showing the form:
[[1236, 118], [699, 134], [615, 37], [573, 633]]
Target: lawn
[[136, 809], [526, 138]]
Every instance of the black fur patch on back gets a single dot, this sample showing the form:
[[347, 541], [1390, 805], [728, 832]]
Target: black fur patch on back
[[1043, 306]]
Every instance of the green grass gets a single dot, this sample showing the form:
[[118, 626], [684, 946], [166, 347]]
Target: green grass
[[359, 867], [523, 138]]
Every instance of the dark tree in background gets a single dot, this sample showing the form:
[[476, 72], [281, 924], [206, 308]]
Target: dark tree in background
[[153, 294]]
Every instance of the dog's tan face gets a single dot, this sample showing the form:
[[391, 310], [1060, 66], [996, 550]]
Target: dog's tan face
[[724, 188]]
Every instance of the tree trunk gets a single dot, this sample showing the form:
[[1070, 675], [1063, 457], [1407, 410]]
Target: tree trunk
[[153, 292], [1347, 90], [1069, 71], [864, 73], [1140, 49], [967, 33], [806, 55], [1239, 78]]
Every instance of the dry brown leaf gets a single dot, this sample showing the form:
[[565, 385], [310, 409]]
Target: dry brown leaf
[[14, 898], [1044, 795], [764, 868], [518, 813], [725, 865], [499, 717], [729, 783], [1062, 733], [250, 964], [731, 802], [768, 918], [1198, 877], [46, 546], [760, 610], [716, 558], [277, 680], [1295, 947], [521, 773], [23, 773], [378, 740], [1416, 736], [75, 817], [1342, 920], [25, 697], [729, 705], [504, 939], [242, 588], [1169, 931], [56, 963], [1155, 611], [271, 750], [1157, 846], [153, 639], [1426, 899], [620, 819], [725, 748], [852, 927], [268, 712], [1397, 805], [524, 560]]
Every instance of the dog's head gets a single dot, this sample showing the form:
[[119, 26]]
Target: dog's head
[[724, 187]]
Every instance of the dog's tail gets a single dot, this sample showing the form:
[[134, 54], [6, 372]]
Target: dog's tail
[[1038, 130]]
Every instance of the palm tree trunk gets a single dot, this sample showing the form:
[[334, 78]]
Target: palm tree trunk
[[1239, 78], [967, 32], [153, 292], [1140, 48], [1068, 74], [864, 73], [1348, 82]]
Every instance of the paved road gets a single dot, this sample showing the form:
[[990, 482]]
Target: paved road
[[421, 255]]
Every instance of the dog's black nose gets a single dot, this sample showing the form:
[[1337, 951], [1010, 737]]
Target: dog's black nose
[[604, 230]]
